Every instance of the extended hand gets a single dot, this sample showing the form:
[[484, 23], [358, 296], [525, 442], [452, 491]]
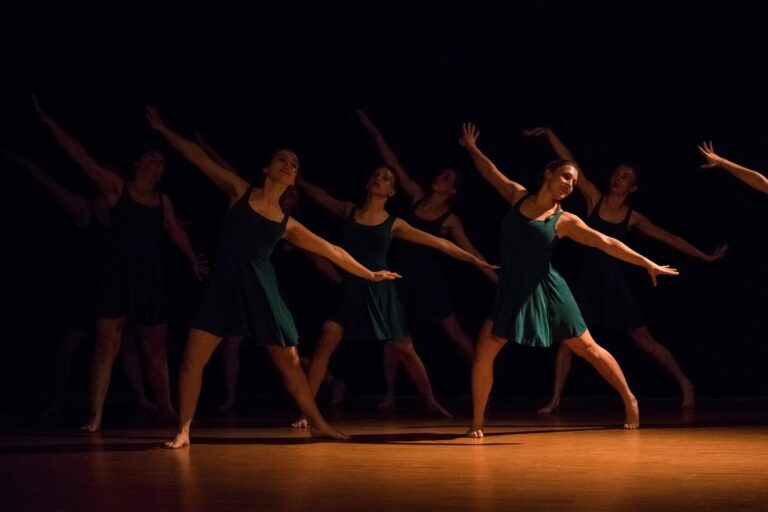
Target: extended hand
[[384, 275], [663, 270], [367, 123], [482, 264], [469, 135], [155, 121], [536, 132], [708, 151], [200, 267], [717, 253]]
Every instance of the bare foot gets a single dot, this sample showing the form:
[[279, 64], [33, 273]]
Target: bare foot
[[474, 432], [551, 407], [631, 415], [90, 427], [179, 441], [326, 431], [387, 403], [300, 424], [338, 390], [689, 397], [439, 410]]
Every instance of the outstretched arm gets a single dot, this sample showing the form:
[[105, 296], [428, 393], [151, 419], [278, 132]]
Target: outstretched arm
[[76, 206], [110, 185], [324, 199], [324, 266], [456, 231], [647, 227], [510, 190], [402, 229], [413, 189], [303, 238], [222, 177], [585, 186], [573, 227], [181, 240], [752, 178], [211, 152]]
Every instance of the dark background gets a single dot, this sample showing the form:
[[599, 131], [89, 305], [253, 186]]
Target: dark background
[[637, 82]]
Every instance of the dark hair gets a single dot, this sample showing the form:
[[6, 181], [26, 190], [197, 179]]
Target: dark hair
[[557, 163], [286, 148]]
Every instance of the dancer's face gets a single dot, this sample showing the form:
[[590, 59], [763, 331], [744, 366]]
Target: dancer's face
[[151, 162], [445, 182], [283, 167], [623, 180], [381, 182], [560, 181]]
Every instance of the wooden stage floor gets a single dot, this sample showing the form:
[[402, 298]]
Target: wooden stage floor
[[578, 460]]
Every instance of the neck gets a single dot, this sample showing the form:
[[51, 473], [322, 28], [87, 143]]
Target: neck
[[273, 190], [544, 200], [374, 203], [144, 182], [615, 200], [437, 199]]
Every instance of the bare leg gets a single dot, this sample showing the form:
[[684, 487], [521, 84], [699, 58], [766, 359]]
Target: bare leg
[[584, 346], [200, 346], [562, 369], [230, 358], [452, 328], [488, 347], [153, 342], [129, 355], [338, 386], [391, 363], [109, 332], [412, 363], [330, 337], [287, 361], [643, 339]]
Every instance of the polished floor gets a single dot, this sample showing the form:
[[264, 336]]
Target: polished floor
[[578, 460]]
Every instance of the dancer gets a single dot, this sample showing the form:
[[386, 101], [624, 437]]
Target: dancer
[[533, 304], [91, 222], [425, 292], [131, 284], [373, 311], [243, 298], [602, 291], [752, 178], [232, 345]]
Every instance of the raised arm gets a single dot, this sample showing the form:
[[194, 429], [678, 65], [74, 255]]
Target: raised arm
[[222, 177], [110, 184], [752, 178], [211, 152], [510, 190], [303, 238], [645, 226], [456, 231], [573, 227], [76, 206], [324, 199], [413, 189], [588, 189], [402, 229], [181, 240]]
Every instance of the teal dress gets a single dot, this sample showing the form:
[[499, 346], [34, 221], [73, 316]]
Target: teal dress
[[601, 288], [369, 310], [425, 291], [242, 297], [131, 283], [533, 305]]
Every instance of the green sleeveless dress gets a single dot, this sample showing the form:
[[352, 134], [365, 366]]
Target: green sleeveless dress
[[369, 310], [131, 282], [242, 297], [533, 305]]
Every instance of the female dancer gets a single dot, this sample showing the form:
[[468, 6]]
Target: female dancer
[[232, 345], [131, 284], [602, 290], [425, 292], [243, 298], [91, 220], [373, 311], [533, 304], [752, 178]]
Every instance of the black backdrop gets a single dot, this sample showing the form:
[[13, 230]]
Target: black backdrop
[[638, 82]]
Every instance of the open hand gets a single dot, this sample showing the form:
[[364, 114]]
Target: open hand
[[717, 253], [200, 267], [708, 151], [536, 132], [663, 270], [155, 121], [469, 135], [384, 275]]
